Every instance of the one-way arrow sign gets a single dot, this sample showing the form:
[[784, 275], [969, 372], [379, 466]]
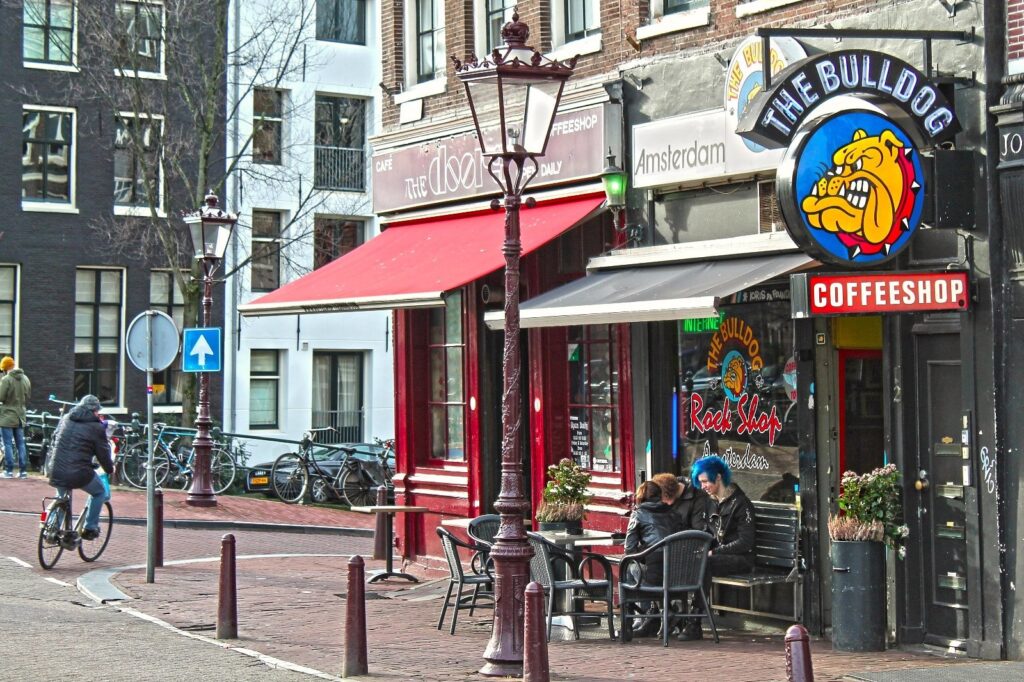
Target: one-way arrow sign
[[201, 350]]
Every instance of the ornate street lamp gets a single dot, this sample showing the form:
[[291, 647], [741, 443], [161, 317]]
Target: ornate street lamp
[[614, 180], [513, 96], [210, 228]]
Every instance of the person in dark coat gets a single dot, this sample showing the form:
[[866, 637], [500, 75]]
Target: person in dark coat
[[652, 520], [81, 436], [731, 522], [688, 501]]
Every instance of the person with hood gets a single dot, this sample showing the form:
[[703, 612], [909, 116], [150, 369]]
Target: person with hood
[[15, 392], [652, 520], [81, 436], [731, 522]]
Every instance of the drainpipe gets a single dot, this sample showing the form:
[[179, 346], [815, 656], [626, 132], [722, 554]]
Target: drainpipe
[[235, 289]]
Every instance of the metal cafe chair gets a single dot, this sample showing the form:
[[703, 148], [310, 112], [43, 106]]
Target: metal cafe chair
[[685, 558], [545, 566], [483, 529], [457, 576]]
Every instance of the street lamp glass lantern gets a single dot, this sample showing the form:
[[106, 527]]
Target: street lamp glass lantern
[[210, 229], [513, 94], [614, 180]]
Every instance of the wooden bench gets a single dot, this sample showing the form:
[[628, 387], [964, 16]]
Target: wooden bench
[[777, 560]]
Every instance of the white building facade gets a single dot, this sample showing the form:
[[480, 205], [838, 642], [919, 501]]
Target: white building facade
[[304, 83]]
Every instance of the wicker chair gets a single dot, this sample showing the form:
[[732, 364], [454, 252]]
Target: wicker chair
[[457, 576], [685, 558], [483, 530], [543, 569]]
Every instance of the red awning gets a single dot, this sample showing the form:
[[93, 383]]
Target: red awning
[[414, 265]]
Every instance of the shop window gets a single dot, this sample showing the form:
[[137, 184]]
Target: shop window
[[265, 265], [264, 388], [577, 246], [446, 401], [99, 314], [48, 36], [709, 213], [165, 295], [47, 157], [594, 438], [334, 237], [8, 308], [267, 121], [736, 393]]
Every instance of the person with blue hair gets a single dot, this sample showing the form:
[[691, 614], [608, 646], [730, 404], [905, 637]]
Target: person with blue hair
[[731, 522]]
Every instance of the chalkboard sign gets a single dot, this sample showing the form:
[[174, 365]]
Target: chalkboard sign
[[579, 440]]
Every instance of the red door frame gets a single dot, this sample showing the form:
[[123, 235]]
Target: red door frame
[[845, 355]]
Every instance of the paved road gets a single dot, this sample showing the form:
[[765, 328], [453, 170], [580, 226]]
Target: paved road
[[50, 632]]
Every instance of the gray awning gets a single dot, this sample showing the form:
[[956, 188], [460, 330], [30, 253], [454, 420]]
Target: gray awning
[[650, 294]]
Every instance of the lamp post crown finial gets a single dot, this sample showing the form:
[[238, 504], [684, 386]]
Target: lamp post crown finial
[[211, 199], [515, 33]]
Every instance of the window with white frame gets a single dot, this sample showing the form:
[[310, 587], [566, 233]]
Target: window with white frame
[[99, 312], [446, 401], [8, 308], [47, 155], [267, 121], [265, 265], [582, 18], [495, 14], [338, 395], [48, 32], [425, 55], [264, 388], [334, 237], [165, 295], [140, 27], [667, 16], [341, 21], [339, 156], [138, 177]]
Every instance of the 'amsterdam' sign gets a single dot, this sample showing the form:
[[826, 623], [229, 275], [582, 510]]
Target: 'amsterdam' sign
[[873, 293], [453, 169], [776, 114]]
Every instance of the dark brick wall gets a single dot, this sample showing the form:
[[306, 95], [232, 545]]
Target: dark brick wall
[[50, 246]]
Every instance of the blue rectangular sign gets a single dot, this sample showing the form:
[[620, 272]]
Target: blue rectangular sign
[[200, 349]]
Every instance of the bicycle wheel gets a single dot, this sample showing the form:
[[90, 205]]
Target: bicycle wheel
[[50, 547], [358, 489], [133, 466], [222, 470], [90, 550], [289, 477]]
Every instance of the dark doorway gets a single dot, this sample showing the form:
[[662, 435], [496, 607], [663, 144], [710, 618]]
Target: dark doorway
[[861, 425]]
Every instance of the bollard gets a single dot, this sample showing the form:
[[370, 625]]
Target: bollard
[[535, 637], [798, 655], [355, 662], [227, 604], [158, 523], [380, 533]]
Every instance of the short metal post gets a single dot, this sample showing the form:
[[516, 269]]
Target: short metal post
[[227, 603], [535, 638], [355, 660], [380, 533], [158, 517], [798, 655]]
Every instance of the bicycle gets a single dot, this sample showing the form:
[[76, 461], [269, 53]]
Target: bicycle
[[359, 482], [56, 533], [295, 473], [174, 467]]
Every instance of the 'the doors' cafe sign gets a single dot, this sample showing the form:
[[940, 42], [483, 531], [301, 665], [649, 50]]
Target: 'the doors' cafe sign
[[452, 168]]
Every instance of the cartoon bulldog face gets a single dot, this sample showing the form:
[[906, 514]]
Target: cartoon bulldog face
[[867, 196], [732, 378]]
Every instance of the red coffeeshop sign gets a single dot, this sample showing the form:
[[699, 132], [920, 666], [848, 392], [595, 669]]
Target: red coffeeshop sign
[[870, 293]]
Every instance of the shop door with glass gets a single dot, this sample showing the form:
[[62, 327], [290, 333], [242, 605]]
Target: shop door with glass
[[940, 502], [861, 425]]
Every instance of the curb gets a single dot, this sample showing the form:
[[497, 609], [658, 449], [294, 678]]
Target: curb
[[237, 525]]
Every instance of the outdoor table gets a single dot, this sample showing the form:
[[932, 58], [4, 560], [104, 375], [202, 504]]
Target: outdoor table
[[390, 510], [463, 522], [571, 542]]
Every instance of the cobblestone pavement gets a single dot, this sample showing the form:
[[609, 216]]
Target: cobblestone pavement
[[292, 607]]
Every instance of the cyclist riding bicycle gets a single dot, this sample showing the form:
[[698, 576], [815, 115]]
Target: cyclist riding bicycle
[[80, 436]]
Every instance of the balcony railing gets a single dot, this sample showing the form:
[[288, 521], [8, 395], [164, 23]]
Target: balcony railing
[[341, 168], [347, 425]]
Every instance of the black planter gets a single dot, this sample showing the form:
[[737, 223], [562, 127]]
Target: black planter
[[567, 527], [858, 596]]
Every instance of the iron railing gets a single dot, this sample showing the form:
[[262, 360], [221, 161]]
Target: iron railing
[[341, 168], [347, 425]]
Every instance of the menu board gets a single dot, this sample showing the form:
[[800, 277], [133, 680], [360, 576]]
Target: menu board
[[579, 440]]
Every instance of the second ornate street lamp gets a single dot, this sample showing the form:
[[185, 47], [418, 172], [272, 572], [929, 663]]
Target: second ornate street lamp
[[210, 228], [513, 96]]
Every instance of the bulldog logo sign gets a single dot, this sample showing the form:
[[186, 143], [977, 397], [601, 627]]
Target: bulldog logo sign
[[851, 189]]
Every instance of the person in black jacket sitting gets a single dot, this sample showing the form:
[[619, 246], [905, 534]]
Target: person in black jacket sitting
[[651, 520], [79, 437], [731, 522]]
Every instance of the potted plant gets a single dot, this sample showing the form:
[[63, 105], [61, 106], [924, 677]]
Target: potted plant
[[869, 519], [563, 503]]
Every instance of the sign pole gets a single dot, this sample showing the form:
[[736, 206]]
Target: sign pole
[[150, 474]]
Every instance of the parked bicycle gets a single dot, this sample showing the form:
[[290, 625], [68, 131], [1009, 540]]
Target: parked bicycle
[[57, 533], [361, 478], [294, 474], [173, 463]]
